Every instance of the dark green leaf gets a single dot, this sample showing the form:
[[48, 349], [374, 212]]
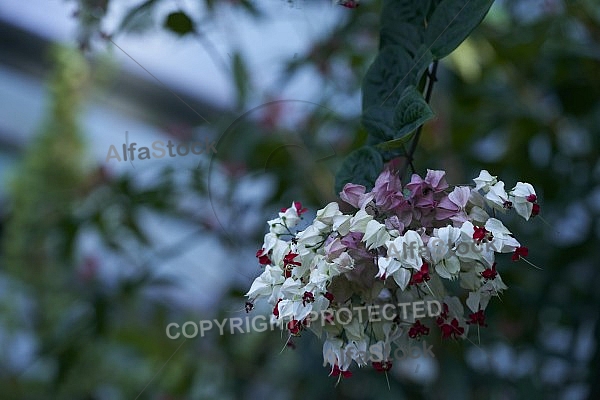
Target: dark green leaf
[[411, 11], [392, 71], [403, 23], [391, 68], [361, 167], [179, 23], [394, 125], [402, 34], [411, 112], [378, 121], [451, 22]]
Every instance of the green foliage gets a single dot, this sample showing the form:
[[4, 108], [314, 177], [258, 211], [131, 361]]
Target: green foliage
[[361, 167], [411, 112], [451, 22], [412, 35], [51, 172]]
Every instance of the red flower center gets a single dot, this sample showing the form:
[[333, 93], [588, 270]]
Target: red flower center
[[477, 318], [307, 297], [520, 252], [420, 276], [337, 371], [417, 329], [490, 273], [294, 326], [481, 234], [262, 259], [382, 366], [276, 309]]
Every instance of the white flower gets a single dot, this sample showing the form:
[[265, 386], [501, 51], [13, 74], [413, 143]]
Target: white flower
[[402, 277], [478, 300], [484, 181], [325, 215], [478, 214], [455, 307], [494, 286], [389, 266], [467, 248], [266, 283], [280, 247], [503, 241], [357, 350], [375, 235], [355, 330], [520, 196], [448, 268], [359, 222], [341, 224], [324, 271], [290, 217], [523, 190], [470, 276], [293, 309], [442, 242], [310, 237], [334, 355], [440, 245], [343, 263], [291, 288], [407, 249], [277, 226], [497, 196]]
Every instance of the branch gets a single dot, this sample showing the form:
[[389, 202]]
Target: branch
[[431, 79]]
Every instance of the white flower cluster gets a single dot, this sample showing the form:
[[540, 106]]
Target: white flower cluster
[[401, 245]]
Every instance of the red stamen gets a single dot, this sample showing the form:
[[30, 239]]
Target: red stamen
[[520, 252]]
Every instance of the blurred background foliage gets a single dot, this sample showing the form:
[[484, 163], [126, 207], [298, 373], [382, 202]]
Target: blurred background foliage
[[520, 97]]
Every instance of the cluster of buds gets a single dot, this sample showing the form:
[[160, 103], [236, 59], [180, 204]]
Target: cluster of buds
[[401, 245]]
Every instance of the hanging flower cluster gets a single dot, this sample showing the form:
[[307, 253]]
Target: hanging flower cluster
[[393, 255]]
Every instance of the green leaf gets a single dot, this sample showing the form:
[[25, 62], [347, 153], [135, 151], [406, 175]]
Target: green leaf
[[378, 121], [403, 23], [179, 23], [411, 112], [451, 22], [391, 68], [392, 71], [394, 125], [394, 144], [411, 11], [361, 167], [402, 34]]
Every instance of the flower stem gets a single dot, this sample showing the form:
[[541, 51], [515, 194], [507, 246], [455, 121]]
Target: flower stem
[[431, 79]]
